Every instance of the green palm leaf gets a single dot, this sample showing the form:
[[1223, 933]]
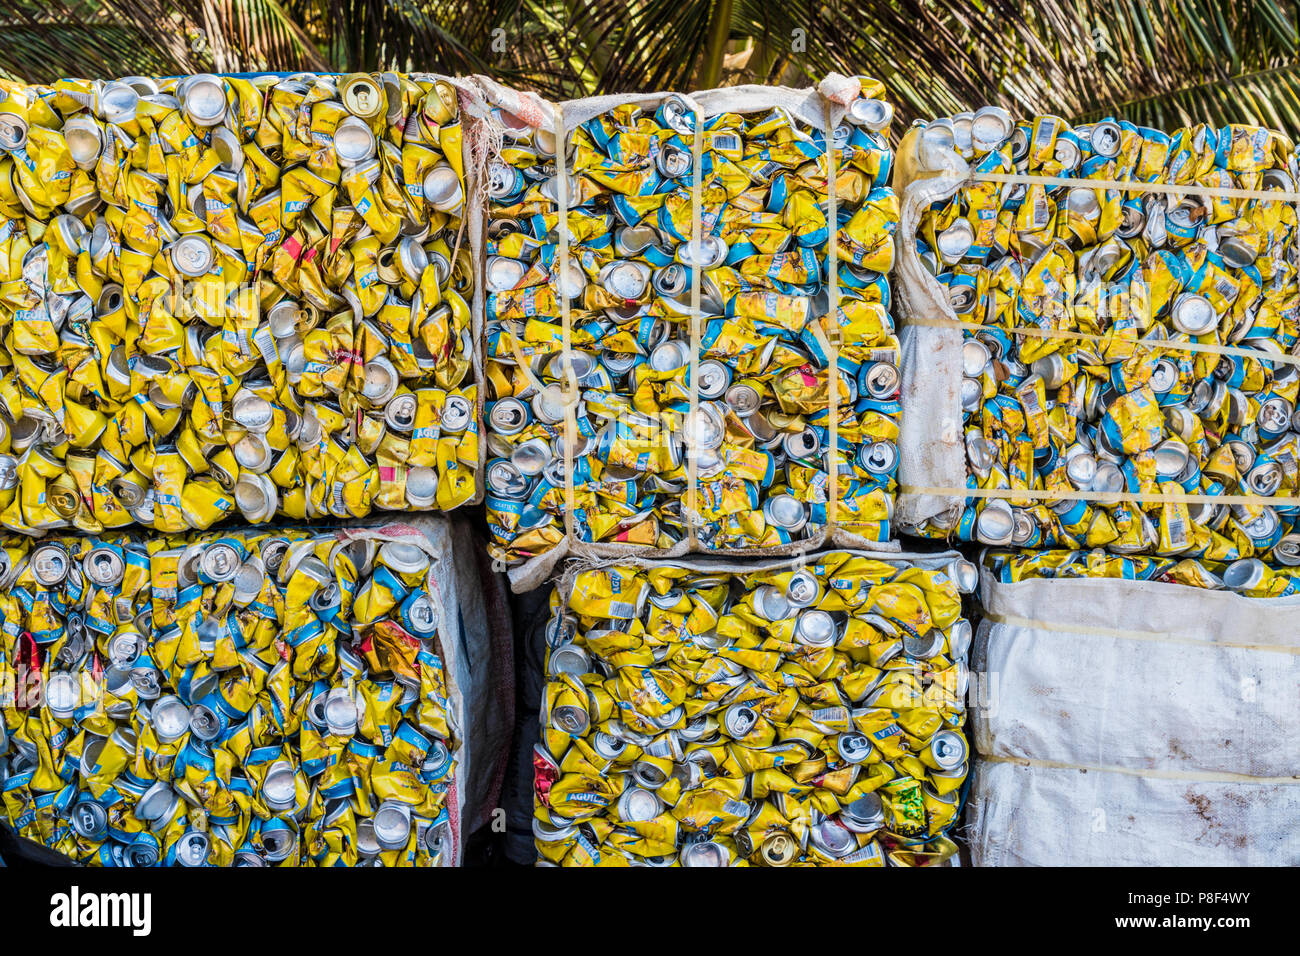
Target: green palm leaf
[[1162, 62]]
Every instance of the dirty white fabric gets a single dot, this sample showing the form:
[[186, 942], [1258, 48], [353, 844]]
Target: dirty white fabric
[[931, 447], [1134, 723]]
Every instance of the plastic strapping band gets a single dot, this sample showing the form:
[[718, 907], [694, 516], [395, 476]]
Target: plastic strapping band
[[1154, 637], [830, 344], [1221, 192], [1160, 344], [471, 202], [1192, 776], [569, 395], [1109, 497], [1116, 497], [697, 242], [832, 347], [524, 365]]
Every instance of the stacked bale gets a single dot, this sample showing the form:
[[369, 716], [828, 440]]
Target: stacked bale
[[1111, 317], [674, 364], [235, 296], [775, 713], [286, 697]]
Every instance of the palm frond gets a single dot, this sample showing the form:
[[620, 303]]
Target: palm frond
[[1164, 62], [1269, 98], [43, 41], [248, 35]]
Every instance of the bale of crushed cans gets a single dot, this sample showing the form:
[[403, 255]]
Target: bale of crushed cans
[[1125, 356], [1133, 711], [237, 295], [1249, 577], [773, 713], [660, 357], [252, 698]]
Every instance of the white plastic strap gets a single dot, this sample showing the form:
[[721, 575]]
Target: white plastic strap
[[1191, 776], [693, 519], [1107, 497], [1156, 344], [836, 338], [1154, 637], [569, 394], [1177, 189]]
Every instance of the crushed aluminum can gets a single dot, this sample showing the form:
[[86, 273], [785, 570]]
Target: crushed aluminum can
[[764, 378], [212, 243], [729, 760], [145, 675], [1120, 415], [1249, 577]]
